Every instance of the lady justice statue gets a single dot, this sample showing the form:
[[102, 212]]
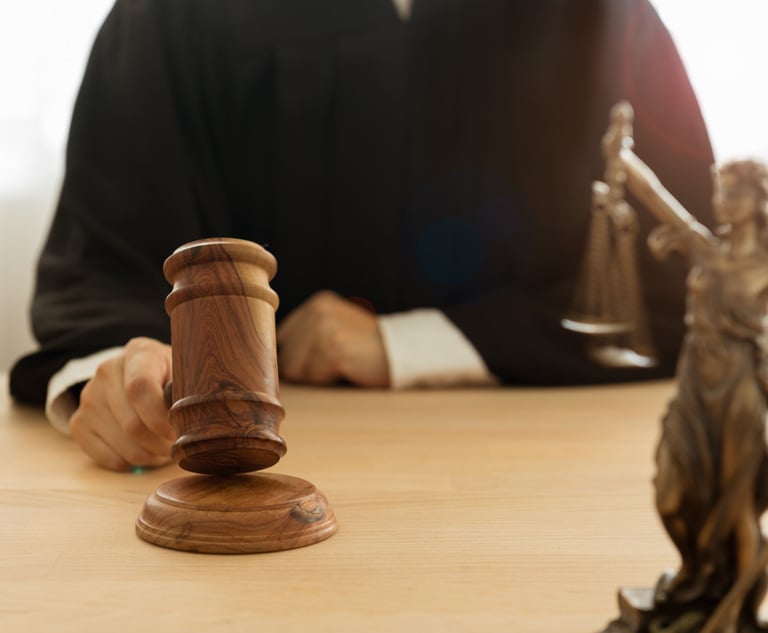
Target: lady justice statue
[[711, 459]]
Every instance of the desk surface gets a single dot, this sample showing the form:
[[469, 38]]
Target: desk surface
[[515, 510]]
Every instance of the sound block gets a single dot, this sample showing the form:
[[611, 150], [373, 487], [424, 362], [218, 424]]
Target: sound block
[[238, 514]]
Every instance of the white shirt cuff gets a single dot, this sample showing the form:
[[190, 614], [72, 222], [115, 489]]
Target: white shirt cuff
[[426, 349], [60, 404]]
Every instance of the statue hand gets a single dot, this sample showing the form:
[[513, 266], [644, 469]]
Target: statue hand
[[666, 239]]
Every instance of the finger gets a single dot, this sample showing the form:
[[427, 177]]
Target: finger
[[106, 457], [93, 446], [358, 348], [349, 347], [106, 410], [319, 371], [293, 336], [304, 357], [97, 424], [129, 435], [368, 366], [321, 366], [287, 327], [292, 358], [101, 437], [146, 371], [300, 339], [123, 431], [319, 306]]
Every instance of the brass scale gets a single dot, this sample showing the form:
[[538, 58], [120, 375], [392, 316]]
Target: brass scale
[[608, 304]]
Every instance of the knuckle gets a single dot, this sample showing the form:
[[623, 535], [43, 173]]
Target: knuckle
[[87, 397], [323, 303], [134, 427], [324, 296], [333, 344], [136, 387], [104, 371], [77, 426], [137, 343], [335, 338], [141, 345]]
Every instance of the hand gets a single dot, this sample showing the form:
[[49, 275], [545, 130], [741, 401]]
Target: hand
[[328, 338], [122, 420]]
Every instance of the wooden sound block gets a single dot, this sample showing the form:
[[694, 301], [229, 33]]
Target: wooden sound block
[[238, 514]]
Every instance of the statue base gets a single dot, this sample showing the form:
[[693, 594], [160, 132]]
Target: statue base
[[639, 613]]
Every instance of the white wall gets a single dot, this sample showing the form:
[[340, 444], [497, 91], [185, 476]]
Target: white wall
[[726, 53], [44, 44], [43, 48]]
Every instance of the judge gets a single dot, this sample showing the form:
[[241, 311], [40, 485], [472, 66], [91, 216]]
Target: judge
[[421, 171]]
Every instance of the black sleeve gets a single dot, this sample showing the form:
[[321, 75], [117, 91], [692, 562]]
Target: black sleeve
[[136, 186], [174, 138]]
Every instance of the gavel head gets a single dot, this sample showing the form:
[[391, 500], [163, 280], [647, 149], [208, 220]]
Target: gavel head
[[226, 409]]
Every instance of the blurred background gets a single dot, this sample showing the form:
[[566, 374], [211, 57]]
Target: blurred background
[[44, 46]]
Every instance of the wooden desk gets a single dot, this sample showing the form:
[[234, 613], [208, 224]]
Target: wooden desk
[[517, 510]]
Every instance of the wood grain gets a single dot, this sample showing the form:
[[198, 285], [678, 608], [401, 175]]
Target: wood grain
[[235, 515], [460, 511], [226, 409]]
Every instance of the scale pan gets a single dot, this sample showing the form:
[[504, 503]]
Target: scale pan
[[615, 356], [591, 325]]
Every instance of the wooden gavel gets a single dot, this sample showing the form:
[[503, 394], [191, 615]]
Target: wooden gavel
[[226, 412]]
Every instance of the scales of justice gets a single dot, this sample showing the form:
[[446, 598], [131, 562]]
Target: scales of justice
[[225, 409], [711, 458]]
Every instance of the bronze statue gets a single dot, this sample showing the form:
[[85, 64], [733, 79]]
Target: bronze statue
[[712, 462]]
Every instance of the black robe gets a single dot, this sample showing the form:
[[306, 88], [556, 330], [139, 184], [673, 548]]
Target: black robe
[[442, 162]]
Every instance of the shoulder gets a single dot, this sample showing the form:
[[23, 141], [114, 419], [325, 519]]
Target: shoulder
[[196, 28]]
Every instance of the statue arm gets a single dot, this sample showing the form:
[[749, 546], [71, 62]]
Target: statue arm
[[644, 184]]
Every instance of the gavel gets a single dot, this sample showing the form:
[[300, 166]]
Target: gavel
[[226, 412]]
